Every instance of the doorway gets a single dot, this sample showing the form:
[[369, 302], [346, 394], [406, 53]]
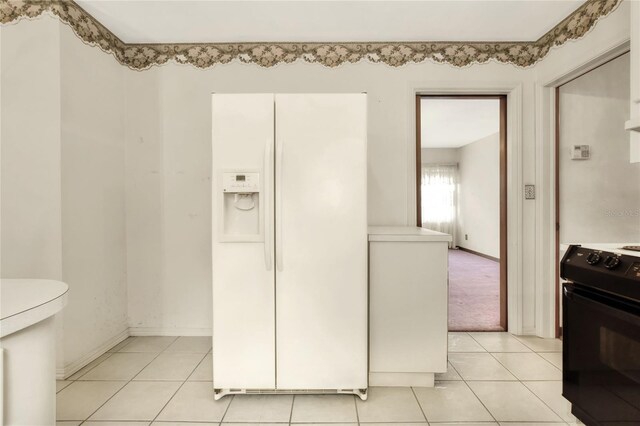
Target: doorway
[[461, 183], [592, 152]]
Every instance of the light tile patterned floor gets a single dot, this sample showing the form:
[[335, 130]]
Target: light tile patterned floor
[[493, 378]]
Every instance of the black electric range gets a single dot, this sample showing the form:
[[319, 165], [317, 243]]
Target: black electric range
[[601, 336]]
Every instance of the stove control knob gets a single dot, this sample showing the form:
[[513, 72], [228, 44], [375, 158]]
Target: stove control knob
[[611, 262], [593, 258]]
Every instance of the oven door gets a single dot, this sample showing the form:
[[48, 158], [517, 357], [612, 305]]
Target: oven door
[[601, 359]]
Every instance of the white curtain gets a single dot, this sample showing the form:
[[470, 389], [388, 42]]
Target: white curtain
[[439, 198]]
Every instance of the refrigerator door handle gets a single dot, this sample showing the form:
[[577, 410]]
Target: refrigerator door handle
[[268, 184], [278, 186]]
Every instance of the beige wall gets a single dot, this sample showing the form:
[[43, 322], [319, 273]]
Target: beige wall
[[93, 221], [30, 151], [63, 180], [439, 155], [600, 197], [170, 259], [479, 196], [144, 180]]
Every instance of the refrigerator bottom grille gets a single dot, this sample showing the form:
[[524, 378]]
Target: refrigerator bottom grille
[[219, 393]]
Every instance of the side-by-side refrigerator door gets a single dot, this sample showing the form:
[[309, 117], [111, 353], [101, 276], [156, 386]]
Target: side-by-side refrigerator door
[[321, 241], [243, 241]]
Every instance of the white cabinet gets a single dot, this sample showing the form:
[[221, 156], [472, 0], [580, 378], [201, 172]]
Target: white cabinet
[[28, 350], [408, 305]]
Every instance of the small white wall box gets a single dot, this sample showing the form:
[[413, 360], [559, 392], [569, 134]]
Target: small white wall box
[[580, 152]]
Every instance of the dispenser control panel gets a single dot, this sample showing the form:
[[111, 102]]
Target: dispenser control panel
[[241, 183]]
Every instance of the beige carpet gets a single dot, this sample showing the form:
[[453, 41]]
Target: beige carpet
[[474, 292]]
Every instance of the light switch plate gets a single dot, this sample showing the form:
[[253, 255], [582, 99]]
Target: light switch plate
[[529, 192]]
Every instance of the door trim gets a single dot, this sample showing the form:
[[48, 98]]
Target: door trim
[[556, 222], [504, 258], [418, 148], [545, 254], [503, 186]]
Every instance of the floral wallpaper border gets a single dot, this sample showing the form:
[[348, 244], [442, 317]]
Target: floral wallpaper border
[[204, 55]]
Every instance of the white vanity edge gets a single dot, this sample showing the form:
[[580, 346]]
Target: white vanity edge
[[405, 233], [25, 302]]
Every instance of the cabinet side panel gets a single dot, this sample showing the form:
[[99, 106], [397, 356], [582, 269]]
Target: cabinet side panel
[[408, 306]]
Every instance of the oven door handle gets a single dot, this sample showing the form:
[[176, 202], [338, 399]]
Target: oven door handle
[[626, 311]]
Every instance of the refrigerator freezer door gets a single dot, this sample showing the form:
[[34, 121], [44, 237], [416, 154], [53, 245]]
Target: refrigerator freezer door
[[321, 241], [243, 278]]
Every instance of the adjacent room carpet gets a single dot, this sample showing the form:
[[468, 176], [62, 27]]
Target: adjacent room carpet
[[474, 292]]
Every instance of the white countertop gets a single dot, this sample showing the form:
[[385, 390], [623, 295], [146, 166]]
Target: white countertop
[[24, 302], [610, 247], [405, 233]]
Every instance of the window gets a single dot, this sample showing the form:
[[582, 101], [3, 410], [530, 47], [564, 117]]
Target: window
[[438, 197]]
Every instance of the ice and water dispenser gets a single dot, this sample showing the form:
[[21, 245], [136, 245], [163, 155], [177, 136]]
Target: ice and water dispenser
[[240, 218]]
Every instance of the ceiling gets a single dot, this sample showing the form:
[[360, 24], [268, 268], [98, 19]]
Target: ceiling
[[452, 123], [189, 21]]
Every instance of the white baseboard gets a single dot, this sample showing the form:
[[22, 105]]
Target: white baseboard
[[73, 366], [168, 331]]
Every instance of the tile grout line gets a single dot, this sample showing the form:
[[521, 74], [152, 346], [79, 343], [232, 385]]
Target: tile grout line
[[418, 401], [179, 387], [472, 391], [86, 372], [465, 381], [546, 360], [293, 401], [547, 405], [505, 367], [481, 402], [227, 409], [102, 405], [106, 358], [129, 381], [454, 369], [159, 353], [524, 342], [196, 367], [168, 401], [531, 350], [83, 374], [468, 334], [514, 374]]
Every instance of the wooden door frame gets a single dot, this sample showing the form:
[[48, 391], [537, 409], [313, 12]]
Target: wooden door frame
[[556, 195], [503, 186]]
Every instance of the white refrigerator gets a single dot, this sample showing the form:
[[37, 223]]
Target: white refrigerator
[[289, 207]]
